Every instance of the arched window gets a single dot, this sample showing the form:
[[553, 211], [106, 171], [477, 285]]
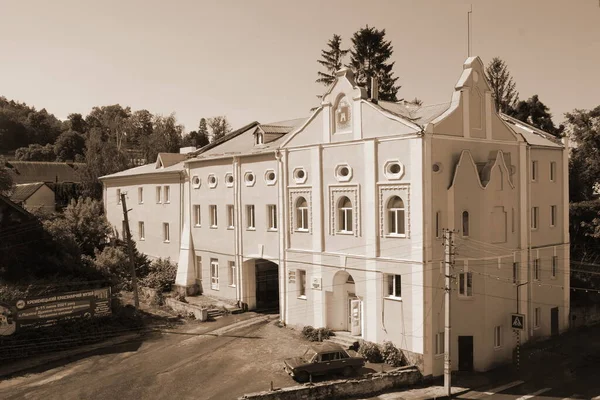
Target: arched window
[[259, 138], [301, 214], [465, 223], [396, 217], [345, 215]]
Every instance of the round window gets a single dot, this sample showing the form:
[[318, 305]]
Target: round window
[[212, 180], [229, 178], [394, 168], [344, 171], [250, 177], [436, 167], [196, 180], [271, 176], [300, 174]]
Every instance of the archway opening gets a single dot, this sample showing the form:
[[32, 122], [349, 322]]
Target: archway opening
[[267, 285]]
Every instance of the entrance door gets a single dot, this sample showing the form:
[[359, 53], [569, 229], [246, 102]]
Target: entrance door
[[267, 285], [554, 321], [465, 353], [355, 317]]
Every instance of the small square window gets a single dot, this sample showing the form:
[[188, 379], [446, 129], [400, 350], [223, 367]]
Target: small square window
[[394, 286]]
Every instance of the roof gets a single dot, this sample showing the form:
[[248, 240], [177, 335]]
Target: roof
[[42, 171], [224, 139], [16, 207], [24, 191], [420, 115], [242, 140], [168, 159], [532, 135], [148, 169]]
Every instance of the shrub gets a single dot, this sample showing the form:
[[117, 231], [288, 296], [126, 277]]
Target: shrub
[[392, 355], [161, 275], [370, 351], [313, 334]]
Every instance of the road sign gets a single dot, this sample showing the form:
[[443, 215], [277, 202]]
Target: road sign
[[517, 321]]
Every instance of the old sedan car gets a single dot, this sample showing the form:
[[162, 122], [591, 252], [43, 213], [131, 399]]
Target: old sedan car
[[322, 359]]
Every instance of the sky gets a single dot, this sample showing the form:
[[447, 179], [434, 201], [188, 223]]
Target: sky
[[255, 60]]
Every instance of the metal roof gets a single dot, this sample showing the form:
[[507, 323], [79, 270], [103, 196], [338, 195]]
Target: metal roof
[[23, 191]]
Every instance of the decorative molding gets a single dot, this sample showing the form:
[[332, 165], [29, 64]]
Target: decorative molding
[[196, 182], [297, 179], [387, 190], [229, 182], [343, 178], [212, 181], [351, 191], [389, 167], [247, 180], [293, 196]]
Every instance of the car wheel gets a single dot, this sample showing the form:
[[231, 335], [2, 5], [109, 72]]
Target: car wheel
[[348, 371], [303, 376]]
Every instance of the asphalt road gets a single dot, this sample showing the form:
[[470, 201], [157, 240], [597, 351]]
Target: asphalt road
[[181, 365]]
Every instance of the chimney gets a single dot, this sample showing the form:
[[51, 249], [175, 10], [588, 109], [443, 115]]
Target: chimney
[[374, 89]]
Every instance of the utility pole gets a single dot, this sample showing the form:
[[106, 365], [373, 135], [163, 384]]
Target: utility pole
[[449, 262], [130, 250]]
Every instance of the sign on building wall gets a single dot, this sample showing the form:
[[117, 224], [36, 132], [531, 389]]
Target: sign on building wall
[[36, 312], [316, 283], [517, 321], [291, 276]]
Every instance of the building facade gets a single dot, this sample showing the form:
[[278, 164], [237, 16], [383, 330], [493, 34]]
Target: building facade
[[337, 221]]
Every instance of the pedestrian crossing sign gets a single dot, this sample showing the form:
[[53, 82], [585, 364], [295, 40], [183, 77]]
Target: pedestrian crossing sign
[[518, 321]]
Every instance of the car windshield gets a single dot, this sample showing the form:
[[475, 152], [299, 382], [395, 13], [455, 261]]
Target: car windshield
[[309, 354]]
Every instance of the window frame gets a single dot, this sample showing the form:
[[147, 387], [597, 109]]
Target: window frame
[[393, 282], [214, 216], [553, 215], [166, 232], [398, 214], [552, 171], [232, 274], [515, 271], [463, 285], [440, 343], [141, 231], [230, 216], [537, 317], [534, 171], [197, 215], [141, 195], [119, 196], [302, 216], [272, 225], [554, 267], [159, 195], [250, 217], [465, 232], [498, 337], [438, 223], [345, 216], [537, 269], [214, 274], [301, 283], [167, 195], [535, 218]]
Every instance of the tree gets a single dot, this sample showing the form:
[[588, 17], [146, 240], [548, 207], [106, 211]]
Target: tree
[[166, 136], [535, 113], [332, 60], [76, 123], [85, 219], [218, 126], [369, 58], [69, 145], [36, 152], [502, 84], [202, 136], [6, 181], [140, 128], [112, 121]]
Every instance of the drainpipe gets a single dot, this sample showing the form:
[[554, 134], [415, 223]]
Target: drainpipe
[[236, 229], [281, 185], [529, 212]]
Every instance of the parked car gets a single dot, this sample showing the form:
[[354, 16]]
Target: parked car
[[322, 359]]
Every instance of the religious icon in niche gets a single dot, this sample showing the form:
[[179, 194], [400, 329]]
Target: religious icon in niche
[[342, 115]]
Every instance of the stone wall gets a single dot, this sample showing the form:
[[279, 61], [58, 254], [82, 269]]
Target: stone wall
[[364, 386], [186, 308]]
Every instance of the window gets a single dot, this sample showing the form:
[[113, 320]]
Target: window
[[118, 196], [465, 223], [535, 216], [536, 269], [497, 336], [552, 171], [537, 317], [249, 179], [396, 217], [230, 217], [166, 233], [259, 138], [465, 284], [272, 217], [167, 194], [197, 215], [158, 194], [534, 170], [141, 233], [141, 195], [439, 343], [214, 274], [394, 285], [554, 265], [301, 282], [515, 272], [250, 217], [198, 268], [438, 231], [552, 215], [345, 215], [213, 216], [301, 214], [232, 274], [270, 177]]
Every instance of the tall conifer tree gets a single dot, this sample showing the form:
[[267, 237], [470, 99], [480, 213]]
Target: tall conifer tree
[[332, 59]]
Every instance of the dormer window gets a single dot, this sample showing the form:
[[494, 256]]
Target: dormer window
[[259, 138]]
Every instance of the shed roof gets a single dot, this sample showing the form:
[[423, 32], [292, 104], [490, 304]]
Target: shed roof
[[42, 171], [24, 191]]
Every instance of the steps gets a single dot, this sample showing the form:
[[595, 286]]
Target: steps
[[218, 312], [344, 339]]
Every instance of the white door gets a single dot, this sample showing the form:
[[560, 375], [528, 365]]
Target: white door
[[355, 317]]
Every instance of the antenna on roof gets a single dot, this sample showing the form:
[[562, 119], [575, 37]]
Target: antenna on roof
[[469, 30]]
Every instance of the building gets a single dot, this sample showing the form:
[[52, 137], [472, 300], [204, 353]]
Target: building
[[44, 171], [338, 220], [34, 197]]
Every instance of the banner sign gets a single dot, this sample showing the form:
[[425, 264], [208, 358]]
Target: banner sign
[[48, 310]]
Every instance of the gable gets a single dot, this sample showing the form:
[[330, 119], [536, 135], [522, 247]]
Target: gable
[[310, 133]]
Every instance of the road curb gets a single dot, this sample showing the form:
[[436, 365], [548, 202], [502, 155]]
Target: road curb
[[24, 365]]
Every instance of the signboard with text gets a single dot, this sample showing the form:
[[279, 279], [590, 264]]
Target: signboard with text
[[36, 312]]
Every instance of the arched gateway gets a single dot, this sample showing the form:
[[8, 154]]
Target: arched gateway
[[261, 288]]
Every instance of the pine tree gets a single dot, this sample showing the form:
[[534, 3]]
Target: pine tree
[[332, 60], [503, 86], [369, 58], [202, 136]]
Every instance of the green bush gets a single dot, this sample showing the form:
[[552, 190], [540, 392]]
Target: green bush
[[313, 334], [161, 275], [392, 355], [370, 351]]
